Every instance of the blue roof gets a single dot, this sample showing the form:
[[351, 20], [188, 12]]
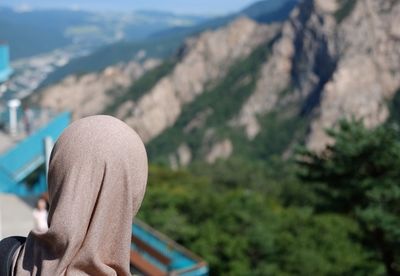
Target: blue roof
[[5, 74], [5, 70], [20, 161]]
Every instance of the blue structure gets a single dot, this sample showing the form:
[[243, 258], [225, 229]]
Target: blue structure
[[155, 254], [19, 162], [5, 69]]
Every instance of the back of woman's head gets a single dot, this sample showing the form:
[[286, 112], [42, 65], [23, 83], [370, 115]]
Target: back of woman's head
[[97, 179]]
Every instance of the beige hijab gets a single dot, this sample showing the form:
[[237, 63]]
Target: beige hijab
[[97, 179]]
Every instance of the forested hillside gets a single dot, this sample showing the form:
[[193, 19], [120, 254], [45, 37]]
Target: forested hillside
[[328, 213]]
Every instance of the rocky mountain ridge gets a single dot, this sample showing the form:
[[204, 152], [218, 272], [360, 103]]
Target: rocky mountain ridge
[[367, 74], [89, 94], [266, 86], [204, 61], [336, 67]]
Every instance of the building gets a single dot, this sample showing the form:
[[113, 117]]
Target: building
[[5, 69]]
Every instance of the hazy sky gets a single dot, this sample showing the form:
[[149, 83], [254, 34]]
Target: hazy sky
[[177, 6]]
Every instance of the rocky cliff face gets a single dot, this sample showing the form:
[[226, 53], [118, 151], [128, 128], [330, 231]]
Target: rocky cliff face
[[89, 94], [368, 70], [302, 62], [204, 60], [339, 59]]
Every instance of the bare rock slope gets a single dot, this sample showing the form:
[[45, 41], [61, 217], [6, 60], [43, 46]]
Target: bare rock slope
[[368, 71], [206, 59], [337, 60], [89, 94]]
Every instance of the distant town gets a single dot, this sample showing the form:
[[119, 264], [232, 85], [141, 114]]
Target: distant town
[[29, 73], [84, 33]]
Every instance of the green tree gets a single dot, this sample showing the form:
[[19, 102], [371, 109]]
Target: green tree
[[359, 176], [305, 243], [232, 215]]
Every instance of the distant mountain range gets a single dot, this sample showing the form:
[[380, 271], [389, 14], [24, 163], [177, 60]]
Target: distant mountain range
[[38, 31], [266, 11], [166, 42]]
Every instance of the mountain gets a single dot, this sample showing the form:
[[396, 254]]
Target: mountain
[[161, 44], [112, 54], [266, 11], [93, 91], [142, 24], [198, 50], [270, 87], [30, 32]]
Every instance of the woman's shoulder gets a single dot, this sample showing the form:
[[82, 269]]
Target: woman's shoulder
[[8, 246]]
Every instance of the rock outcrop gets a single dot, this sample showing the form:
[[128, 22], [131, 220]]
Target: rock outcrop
[[334, 67], [301, 62], [274, 78], [205, 59], [89, 94], [181, 158], [368, 71], [220, 150]]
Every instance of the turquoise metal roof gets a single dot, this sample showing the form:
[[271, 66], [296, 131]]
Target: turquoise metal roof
[[24, 158], [5, 74], [5, 70]]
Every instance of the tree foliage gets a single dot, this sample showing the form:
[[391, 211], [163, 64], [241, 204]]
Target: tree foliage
[[237, 216], [359, 177], [335, 212]]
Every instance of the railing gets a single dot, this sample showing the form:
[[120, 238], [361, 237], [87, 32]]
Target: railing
[[155, 254]]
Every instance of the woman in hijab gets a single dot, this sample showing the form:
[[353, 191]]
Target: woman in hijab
[[97, 179]]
